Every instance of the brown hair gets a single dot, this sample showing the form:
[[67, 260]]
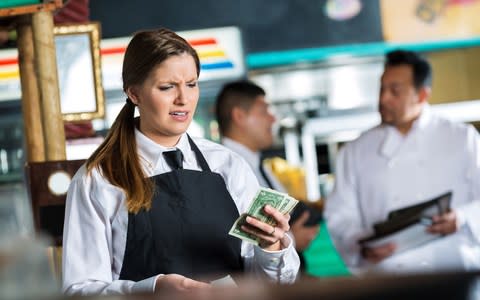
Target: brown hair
[[117, 156]]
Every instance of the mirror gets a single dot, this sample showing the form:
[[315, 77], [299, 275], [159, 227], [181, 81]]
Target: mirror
[[79, 71]]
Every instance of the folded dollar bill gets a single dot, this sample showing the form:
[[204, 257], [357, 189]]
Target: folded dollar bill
[[280, 201]]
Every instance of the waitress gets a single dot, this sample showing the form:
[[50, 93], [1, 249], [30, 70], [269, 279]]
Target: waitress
[[152, 207]]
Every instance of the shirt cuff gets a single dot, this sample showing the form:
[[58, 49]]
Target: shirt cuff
[[272, 259], [292, 239], [146, 285]]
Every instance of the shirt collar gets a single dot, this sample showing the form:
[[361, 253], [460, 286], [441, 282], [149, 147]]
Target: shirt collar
[[151, 152], [252, 157], [393, 138], [424, 118]]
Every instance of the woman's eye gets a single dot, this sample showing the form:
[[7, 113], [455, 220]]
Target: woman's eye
[[165, 87], [192, 84]]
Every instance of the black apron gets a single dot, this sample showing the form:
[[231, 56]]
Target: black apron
[[186, 230]]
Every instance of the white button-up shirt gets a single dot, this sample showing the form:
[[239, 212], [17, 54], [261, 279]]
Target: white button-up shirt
[[96, 222], [253, 159], [384, 170]]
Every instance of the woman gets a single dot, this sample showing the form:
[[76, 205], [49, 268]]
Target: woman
[[143, 216]]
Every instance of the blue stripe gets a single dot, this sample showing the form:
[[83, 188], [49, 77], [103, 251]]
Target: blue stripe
[[217, 65]]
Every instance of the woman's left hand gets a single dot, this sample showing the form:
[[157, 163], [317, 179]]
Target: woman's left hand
[[272, 237]]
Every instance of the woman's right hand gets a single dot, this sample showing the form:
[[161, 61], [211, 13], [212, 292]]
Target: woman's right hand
[[176, 282]]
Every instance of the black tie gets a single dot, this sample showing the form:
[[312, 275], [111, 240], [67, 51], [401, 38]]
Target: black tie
[[174, 159], [264, 175]]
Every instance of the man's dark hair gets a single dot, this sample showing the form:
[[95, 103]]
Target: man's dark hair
[[422, 71], [242, 93]]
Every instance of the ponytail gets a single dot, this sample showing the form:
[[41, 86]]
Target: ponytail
[[118, 161]]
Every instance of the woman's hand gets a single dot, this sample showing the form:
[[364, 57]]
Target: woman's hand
[[178, 283], [272, 237]]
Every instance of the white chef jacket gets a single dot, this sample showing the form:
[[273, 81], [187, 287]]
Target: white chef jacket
[[96, 222], [383, 170], [253, 159]]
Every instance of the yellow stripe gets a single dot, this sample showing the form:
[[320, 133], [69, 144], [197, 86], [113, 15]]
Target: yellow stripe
[[9, 75], [211, 53]]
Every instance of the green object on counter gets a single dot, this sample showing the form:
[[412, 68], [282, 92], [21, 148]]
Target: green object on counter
[[322, 259], [14, 3]]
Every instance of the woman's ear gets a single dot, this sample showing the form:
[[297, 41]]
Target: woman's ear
[[133, 95]]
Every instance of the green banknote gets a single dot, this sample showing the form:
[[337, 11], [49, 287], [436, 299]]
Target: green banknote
[[280, 201]]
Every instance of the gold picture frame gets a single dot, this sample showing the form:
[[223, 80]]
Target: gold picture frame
[[79, 71]]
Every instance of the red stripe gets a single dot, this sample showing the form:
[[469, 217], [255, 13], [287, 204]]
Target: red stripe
[[202, 42], [8, 61], [196, 42], [118, 50], [121, 50]]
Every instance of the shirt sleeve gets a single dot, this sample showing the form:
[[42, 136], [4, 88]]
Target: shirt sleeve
[[87, 241], [278, 266], [468, 213], [342, 212]]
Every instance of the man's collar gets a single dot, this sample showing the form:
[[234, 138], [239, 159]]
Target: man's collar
[[249, 155], [393, 138]]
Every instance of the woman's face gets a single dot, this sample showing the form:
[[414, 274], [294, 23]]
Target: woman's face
[[167, 99]]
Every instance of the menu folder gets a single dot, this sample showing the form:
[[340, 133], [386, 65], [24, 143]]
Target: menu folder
[[406, 227]]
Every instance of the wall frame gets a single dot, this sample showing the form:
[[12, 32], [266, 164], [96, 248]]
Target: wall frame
[[79, 71]]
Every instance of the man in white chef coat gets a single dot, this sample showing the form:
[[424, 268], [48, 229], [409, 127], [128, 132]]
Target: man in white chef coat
[[412, 156]]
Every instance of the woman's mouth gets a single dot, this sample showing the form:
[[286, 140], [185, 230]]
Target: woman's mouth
[[179, 115]]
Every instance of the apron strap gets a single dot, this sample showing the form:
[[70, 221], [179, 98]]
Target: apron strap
[[201, 160]]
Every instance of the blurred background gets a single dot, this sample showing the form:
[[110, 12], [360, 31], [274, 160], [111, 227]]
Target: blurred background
[[319, 61]]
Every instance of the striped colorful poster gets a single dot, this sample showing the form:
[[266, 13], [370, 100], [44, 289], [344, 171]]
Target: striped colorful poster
[[220, 50], [10, 88]]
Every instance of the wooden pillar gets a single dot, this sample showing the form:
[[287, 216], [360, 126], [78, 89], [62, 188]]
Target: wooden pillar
[[53, 130], [30, 94]]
